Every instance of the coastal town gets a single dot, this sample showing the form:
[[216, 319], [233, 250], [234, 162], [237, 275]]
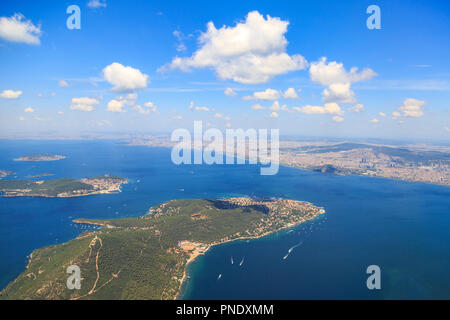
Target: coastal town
[[409, 163]]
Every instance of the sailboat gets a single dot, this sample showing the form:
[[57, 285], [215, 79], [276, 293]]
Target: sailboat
[[242, 262], [232, 260]]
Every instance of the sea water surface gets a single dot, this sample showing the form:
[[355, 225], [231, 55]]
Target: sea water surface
[[402, 227]]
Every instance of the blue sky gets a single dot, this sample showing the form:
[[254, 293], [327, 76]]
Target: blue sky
[[401, 88]]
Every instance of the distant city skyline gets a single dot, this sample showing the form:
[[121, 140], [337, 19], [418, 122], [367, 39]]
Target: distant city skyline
[[308, 68]]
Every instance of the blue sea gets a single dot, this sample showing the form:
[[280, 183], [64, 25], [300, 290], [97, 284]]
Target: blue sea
[[402, 227]]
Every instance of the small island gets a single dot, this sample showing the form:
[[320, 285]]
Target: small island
[[4, 173], [63, 187], [40, 157], [147, 257]]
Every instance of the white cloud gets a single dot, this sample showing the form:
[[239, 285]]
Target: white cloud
[[181, 47], [29, 110], [337, 80], [116, 105], [357, 108], [97, 4], [290, 94], [268, 94], [102, 123], [177, 117], [218, 115], [338, 119], [328, 108], [382, 114], [447, 129], [274, 115], [230, 92], [60, 113], [124, 78], [84, 104], [149, 108], [410, 108], [10, 94], [258, 107], [195, 108], [253, 51], [63, 83], [21, 118], [374, 120], [276, 107], [17, 29]]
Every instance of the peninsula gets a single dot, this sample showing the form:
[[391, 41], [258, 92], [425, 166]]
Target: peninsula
[[63, 187], [146, 257]]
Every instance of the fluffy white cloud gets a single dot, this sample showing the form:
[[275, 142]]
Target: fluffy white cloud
[[10, 94], [97, 4], [382, 114], [29, 110], [268, 94], [290, 94], [338, 119], [17, 29], [63, 83], [116, 105], [410, 108], [257, 107], [195, 108], [337, 80], [84, 104], [124, 78], [149, 108], [328, 108], [374, 120], [447, 129], [253, 51], [22, 118], [230, 92], [274, 115], [276, 107], [218, 115], [357, 108]]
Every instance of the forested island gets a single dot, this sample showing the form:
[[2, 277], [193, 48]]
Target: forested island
[[146, 257], [62, 187]]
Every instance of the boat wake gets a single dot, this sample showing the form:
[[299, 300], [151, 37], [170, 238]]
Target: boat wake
[[291, 249]]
